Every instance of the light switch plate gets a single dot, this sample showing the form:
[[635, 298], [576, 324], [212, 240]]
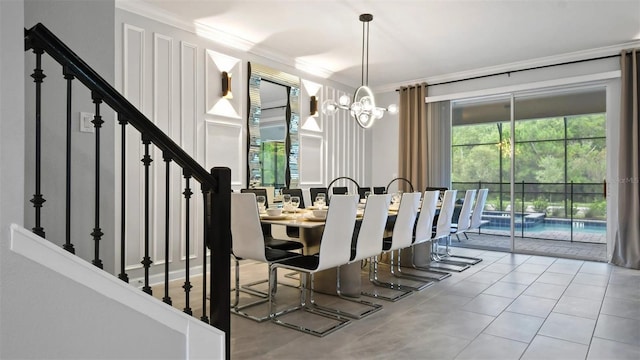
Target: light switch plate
[[85, 122]]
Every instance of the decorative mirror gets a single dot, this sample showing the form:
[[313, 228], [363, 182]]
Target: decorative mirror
[[272, 123]]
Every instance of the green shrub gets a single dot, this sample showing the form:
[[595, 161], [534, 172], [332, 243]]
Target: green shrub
[[597, 210], [540, 205]]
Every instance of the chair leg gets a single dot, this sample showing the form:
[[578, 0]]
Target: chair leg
[[373, 278], [463, 260], [238, 309], [426, 281], [438, 263], [438, 275], [342, 322], [373, 307]]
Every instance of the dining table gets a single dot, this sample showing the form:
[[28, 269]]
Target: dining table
[[311, 229]]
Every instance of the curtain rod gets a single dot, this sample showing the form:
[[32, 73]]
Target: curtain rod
[[525, 69]]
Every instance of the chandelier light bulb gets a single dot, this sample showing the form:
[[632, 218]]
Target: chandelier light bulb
[[329, 107], [344, 100], [364, 118], [392, 109], [367, 103], [356, 107], [377, 113]]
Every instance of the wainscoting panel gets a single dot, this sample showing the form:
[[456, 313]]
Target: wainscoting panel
[[224, 148], [162, 117], [311, 160], [133, 90], [188, 101]]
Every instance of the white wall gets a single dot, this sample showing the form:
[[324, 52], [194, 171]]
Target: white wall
[[86, 26], [173, 76], [384, 143]]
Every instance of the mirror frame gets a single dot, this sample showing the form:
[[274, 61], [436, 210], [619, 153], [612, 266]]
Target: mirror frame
[[257, 73]]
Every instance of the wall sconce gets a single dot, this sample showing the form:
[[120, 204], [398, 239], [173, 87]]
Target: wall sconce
[[313, 106], [226, 85]]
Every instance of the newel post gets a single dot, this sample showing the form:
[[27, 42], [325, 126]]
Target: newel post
[[219, 242]]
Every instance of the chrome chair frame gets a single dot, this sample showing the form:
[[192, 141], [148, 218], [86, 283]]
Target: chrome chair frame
[[368, 244], [463, 224], [248, 243], [423, 235], [401, 238], [443, 231], [334, 251]]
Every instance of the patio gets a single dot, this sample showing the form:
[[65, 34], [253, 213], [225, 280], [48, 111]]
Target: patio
[[550, 246]]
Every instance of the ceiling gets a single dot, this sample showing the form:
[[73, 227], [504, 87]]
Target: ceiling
[[410, 40]]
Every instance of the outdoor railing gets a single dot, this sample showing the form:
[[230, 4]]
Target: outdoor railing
[[575, 202]]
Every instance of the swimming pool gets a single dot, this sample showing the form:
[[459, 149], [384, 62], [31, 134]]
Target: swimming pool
[[538, 222]]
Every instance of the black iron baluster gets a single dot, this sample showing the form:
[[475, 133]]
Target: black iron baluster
[[67, 244], [166, 298], [219, 242], [205, 195], [38, 199], [97, 232], [146, 262], [187, 284], [123, 175]]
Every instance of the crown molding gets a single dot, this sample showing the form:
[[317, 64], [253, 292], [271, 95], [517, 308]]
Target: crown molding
[[519, 65], [220, 37]]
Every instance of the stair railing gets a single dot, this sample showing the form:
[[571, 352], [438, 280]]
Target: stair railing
[[215, 185]]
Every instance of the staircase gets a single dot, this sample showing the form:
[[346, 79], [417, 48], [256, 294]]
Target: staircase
[[214, 185]]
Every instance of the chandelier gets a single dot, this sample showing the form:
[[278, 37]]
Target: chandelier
[[363, 107]]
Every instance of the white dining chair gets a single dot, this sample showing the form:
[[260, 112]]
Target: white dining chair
[[476, 215], [443, 231], [463, 225], [401, 238], [248, 243], [335, 250], [422, 234], [368, 244]]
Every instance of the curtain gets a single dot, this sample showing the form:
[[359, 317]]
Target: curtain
[[413, 137], [626, 251]]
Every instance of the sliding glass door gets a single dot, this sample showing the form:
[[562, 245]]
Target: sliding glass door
[[555, 142], [481, 158]]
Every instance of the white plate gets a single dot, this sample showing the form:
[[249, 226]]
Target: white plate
[[276, 217], [310, 217]]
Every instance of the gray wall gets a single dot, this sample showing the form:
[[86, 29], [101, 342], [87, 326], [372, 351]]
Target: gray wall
[[87, 27], [11, 144]]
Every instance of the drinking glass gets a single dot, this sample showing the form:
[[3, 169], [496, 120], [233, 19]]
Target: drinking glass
[[395, 198], [295, 202], [261, 200], [320, 200], [286, 202]]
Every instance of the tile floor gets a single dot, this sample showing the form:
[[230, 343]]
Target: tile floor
[[509, 306]]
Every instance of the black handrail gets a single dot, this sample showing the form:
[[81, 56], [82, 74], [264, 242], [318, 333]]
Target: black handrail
[[41, 38]]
